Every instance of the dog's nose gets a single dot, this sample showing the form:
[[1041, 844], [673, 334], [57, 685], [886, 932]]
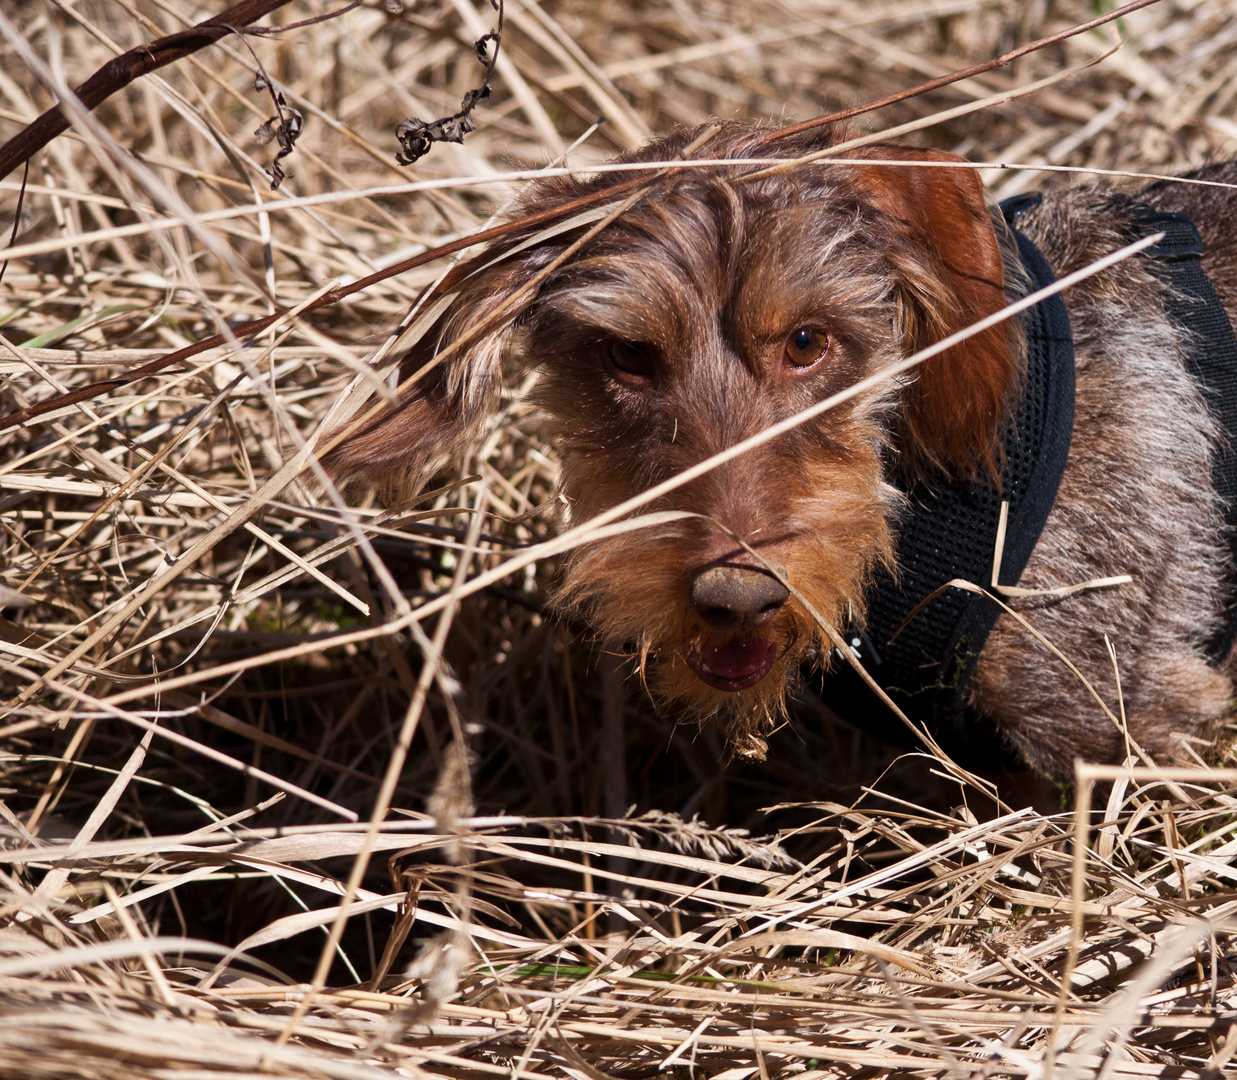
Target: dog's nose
[[729, 597]]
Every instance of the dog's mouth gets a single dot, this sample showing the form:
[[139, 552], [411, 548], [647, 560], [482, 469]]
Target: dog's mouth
[[736, 665]]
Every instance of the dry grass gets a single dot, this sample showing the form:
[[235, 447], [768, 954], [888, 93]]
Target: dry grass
[[202, 702]]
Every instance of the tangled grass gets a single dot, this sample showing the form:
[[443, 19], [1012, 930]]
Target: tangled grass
[[258, 819]]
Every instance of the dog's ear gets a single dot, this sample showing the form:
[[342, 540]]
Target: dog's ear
[[449, 381], [951, 274]]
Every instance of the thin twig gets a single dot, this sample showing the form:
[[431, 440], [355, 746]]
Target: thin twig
[[120, 71]]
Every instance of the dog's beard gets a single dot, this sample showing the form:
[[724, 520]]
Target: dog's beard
[[633, 601], [632, 590]]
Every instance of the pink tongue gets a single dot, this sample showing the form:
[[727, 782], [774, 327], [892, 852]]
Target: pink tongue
[[738, 659]]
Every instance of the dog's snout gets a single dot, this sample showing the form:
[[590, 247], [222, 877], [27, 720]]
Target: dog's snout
[[729, 597]]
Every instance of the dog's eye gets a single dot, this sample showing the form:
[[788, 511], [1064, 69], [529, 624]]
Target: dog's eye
[[632, 358], [805, 348]]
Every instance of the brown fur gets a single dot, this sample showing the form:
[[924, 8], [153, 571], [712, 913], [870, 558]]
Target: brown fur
[[713, 276]]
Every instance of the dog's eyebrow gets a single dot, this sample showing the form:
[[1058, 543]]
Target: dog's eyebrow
[[625, 313], [635, 294], [785, 281]]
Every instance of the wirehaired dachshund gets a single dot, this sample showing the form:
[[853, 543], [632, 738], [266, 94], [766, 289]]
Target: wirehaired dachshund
[[729, 297]]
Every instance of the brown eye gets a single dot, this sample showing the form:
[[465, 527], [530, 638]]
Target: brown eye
[[805, 348], [631, 358]]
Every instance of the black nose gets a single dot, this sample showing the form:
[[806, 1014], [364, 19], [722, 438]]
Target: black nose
[[730, 597]]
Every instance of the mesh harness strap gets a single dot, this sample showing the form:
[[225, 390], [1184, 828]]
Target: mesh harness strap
[[950, 532], [950, 529]]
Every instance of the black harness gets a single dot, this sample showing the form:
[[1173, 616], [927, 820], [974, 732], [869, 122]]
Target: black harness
[[951, 527]]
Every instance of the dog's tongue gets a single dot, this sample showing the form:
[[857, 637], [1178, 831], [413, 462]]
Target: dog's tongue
[[735, 665]]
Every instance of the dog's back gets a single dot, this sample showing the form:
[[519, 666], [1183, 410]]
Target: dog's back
[[1137, 496]]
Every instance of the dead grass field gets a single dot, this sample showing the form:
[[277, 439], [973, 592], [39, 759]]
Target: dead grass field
[[236, 710]]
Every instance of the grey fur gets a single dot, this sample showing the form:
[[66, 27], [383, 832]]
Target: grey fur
[[1137, 498]]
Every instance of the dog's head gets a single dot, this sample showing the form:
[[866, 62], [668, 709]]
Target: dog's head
[[718, 304]]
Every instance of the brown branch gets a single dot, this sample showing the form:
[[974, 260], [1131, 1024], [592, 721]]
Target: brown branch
[[23, 416], [124, 69]]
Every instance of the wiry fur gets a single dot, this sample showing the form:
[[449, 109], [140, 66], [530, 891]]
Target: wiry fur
[[711, 273], [1136, 497]]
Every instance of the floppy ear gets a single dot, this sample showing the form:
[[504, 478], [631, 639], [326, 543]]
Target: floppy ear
[[951, 274], [448, 384]]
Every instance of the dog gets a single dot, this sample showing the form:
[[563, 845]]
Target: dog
[[727, 298]]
